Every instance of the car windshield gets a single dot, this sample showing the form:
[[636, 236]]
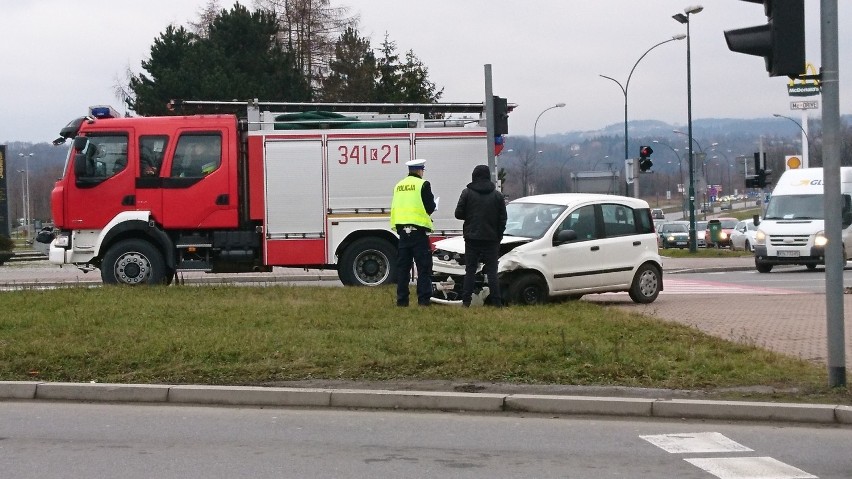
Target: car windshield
[[729, 224], [700, 225], [675, 228], [790, 207], [531, 220]]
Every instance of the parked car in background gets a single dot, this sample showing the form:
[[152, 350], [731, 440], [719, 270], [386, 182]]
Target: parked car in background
[[742, 237], [700, 227], [567, 245], [658, 214], [674, 235], [727, 226]]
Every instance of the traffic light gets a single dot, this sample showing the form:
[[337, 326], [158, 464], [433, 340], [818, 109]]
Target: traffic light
[[781, 42], [751, 182], [645, 162], [762, 178], [501, 116]]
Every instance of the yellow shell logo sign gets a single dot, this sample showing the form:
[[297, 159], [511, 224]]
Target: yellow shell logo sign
[[794, 162]]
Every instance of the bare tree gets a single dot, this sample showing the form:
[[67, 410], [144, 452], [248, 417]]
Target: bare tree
[[206, 15], [310, 29]]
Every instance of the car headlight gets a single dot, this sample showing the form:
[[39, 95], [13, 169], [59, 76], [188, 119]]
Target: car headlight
[[723, 235], [820, 239], [760, 237], [670, 238], [447, 256]]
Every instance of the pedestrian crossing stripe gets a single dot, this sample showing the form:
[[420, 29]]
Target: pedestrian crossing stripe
[[730, 467], [694, 286]]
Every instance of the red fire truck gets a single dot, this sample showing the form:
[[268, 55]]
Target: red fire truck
[[145, 198]]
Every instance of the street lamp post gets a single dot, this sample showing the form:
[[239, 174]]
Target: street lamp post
[[624, 91], [23, 197], [727, 164], [562, 170], [27, 218], [683, 18], [535, 138], [806, 140], [679, 168]]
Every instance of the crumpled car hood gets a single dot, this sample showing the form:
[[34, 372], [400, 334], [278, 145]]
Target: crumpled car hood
[[456, 244]]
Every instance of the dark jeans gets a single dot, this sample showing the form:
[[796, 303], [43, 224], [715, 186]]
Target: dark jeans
[[413, 246], [486, 252]]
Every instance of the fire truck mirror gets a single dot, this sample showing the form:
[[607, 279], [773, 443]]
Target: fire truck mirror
[[81, 143], [80, 166]]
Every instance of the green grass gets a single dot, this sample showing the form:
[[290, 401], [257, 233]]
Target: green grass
[[230, 335]]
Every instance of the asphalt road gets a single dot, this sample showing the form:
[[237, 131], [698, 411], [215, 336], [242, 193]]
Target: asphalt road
[[60, 440]]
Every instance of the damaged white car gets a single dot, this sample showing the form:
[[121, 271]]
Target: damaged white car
[[562, 245]]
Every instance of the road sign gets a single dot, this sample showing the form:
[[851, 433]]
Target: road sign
[[804, 105], [793, 162]]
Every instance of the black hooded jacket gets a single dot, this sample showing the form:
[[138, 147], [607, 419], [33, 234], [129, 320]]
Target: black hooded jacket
[[482, 208]]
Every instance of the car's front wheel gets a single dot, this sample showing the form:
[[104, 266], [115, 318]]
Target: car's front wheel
[[646, 284], [762, 267], [529, 288]]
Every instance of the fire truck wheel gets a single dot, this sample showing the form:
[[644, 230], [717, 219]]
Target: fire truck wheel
[[133, 262], [367, 262]]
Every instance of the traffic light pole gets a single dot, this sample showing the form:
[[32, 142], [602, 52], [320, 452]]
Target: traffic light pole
[[834, 260]]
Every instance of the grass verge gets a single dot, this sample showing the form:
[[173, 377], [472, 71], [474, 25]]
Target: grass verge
[[256, 335]]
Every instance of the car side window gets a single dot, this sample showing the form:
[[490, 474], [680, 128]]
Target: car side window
[[582, 221], [618, 220], [644, 222]]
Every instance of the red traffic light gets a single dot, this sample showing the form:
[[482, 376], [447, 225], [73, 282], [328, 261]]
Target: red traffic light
[[645, 151]]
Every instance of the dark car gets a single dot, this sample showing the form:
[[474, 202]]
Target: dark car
[[674, 235]]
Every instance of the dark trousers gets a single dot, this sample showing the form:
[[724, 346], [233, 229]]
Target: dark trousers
[[487, 253], [413, 246]]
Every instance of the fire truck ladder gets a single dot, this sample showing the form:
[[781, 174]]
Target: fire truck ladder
[[259, 114]]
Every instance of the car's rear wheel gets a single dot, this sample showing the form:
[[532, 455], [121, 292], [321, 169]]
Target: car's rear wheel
[[529, 288], [646, 284]]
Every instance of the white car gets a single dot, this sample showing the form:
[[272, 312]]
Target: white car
[[567, 245], [742, 236]]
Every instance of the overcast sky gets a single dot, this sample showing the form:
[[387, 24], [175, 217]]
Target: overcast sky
[[60, 56]]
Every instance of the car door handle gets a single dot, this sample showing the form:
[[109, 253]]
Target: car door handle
[[637, 243], [129, 200], [223, 199], [595, 248]]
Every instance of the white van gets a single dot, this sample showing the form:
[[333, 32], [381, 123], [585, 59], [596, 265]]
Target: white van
[[793, 228]]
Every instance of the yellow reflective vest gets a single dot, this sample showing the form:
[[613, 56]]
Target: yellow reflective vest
[[407, 205]]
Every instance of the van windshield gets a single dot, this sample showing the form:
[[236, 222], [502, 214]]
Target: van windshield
[[791, 207]]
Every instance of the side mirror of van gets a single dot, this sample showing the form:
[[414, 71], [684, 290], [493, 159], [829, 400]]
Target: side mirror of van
[[846, 211], [756, 219]]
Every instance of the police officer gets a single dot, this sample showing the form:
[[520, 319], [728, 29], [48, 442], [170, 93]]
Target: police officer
[[412, 204]]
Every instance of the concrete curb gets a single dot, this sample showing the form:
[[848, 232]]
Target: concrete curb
[[252, 396]]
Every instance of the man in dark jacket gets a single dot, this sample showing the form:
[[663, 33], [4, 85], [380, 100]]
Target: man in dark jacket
[[483, 210]]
